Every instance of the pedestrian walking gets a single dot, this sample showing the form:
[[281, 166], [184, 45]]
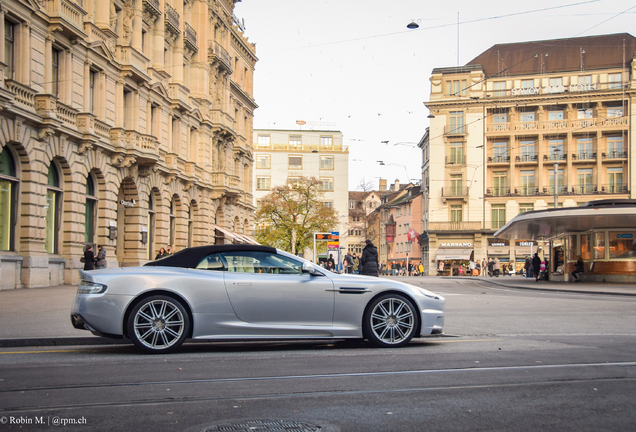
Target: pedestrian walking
[[536, 266], [484, 267], [491, 267], [497, 267], [356, 263], [348, 263], [369, 260]]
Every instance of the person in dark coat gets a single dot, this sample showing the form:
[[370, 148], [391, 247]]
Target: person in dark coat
[[536, 266], [89, 258], [577, 269], [331, 263], [162, 253], [369, 260]]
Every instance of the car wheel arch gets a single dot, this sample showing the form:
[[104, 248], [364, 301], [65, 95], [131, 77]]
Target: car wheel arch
[[155, 292], [401, 293]]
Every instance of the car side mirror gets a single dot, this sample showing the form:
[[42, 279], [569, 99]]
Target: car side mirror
[[309, 268]]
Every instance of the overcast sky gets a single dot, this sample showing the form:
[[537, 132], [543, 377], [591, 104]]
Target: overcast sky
[[353, 66]]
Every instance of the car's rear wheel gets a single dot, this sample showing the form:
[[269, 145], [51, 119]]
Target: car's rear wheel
[[390, 321], [158, 324]]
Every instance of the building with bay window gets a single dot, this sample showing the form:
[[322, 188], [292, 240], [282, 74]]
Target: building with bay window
[[124, 123], [523, 127]]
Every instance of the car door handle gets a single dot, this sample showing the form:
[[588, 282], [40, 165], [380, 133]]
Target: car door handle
[[242, 283]]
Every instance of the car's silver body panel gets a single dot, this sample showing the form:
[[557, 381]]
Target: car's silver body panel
[[229, 305]]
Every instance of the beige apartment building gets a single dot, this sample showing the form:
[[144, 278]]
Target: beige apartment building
[[281, 155], [519, 127], [124, 123]]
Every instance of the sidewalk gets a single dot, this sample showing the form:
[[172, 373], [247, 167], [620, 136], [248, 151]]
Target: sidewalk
[[518, 282], [41, 316]]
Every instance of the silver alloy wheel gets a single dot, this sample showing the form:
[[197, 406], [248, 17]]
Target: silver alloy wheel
[[159, 324], [392, 321]]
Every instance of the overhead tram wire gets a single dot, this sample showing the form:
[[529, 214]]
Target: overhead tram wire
[[441, 25]]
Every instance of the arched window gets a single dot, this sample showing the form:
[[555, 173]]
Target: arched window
[[90, 211], [8, 199], [53, 205], [151, 226]]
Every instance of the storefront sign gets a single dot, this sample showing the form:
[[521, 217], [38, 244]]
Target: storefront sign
[[553, 89], [457, 245]]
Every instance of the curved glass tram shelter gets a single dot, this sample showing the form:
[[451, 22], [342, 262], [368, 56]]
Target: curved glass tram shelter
[[602, 233]]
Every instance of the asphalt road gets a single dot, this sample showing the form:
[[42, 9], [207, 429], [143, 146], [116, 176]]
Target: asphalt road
[[510, 361]]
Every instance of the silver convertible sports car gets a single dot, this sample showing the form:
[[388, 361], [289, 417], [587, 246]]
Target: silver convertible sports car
[[247, 292]]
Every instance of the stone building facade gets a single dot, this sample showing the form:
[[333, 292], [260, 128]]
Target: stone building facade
[[124, 123], [519, 128]]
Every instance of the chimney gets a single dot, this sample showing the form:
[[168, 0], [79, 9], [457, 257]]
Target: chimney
[[382, 184], [396, 186]]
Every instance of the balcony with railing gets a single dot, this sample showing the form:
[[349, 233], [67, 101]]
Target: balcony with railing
[[498, 127], [171, 20], [614, 188], [499, 159], [498, 191], [528, 190], [556, 125], [560, 189], [454, 192], [24, 95], [527, 158], [583, 156], [456, 160], [526, 126], [68, 15], [454, 226], [455, 130], [135, 63], [218, 54], [585, 189], [190, 37], [555, 157], [614, 154]]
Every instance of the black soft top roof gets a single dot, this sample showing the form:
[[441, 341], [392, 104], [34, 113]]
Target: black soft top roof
[[191, 257]]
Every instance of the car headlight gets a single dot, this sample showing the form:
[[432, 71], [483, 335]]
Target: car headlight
[[88, 287], [427, 293]]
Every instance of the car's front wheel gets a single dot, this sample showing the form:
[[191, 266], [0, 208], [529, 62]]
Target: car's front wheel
[[158, 324], [390, 321]]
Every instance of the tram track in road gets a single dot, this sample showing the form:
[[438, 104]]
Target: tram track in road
[[313, 394], [360, 383]]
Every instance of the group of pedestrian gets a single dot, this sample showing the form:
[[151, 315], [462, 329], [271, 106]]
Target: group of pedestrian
[[91, 262], [536, 267], [164, 252]]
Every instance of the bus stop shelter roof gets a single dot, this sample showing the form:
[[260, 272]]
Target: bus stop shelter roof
[[592, 216]]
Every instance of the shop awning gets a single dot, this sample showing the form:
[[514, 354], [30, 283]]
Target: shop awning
[[548, 224], [235, 237], [453, 254]]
